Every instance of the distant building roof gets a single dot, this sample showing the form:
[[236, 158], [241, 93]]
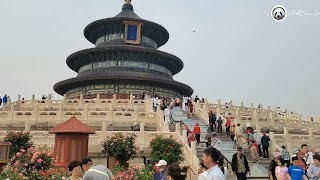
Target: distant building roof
[[73, 125]]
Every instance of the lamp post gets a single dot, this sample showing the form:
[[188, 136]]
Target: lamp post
[[4, 153]]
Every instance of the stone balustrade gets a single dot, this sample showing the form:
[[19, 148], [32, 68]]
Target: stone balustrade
[[287, 129], [257, 117]]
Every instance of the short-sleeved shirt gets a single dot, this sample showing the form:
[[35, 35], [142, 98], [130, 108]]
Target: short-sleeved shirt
[[282, 172], [213, 173], [296, 172], [98, 173]]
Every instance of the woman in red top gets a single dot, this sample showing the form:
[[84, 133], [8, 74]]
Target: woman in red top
[[197, 132], [228, 125]]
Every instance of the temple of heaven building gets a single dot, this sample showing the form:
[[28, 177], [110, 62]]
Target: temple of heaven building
[[125, 60]]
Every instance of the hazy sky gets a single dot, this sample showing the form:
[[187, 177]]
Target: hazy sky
[[237, 52]]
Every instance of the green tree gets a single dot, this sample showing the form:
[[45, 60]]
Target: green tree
[[165, 148], [19, 140]]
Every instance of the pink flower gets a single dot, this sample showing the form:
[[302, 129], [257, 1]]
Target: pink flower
[[18, 154], [22, 150], [26, 164], [39, 160], [17, 163]]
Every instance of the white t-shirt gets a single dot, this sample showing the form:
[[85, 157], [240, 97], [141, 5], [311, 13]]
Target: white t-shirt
[[213, 173], [166, 112], [216, 143]]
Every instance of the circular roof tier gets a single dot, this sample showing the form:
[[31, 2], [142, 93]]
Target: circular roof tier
[[125, 52], [115, 24], [111, 70], [122, 77]]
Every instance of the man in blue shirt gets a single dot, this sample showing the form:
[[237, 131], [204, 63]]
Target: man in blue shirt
[[296, 172]]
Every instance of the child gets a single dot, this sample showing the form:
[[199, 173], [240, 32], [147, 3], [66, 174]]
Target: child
[[296, 172]]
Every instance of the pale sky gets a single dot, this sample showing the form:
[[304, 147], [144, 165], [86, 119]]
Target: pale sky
[[237, 52]]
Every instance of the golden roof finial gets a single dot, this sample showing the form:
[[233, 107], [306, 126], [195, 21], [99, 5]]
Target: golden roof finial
[[127, 1]]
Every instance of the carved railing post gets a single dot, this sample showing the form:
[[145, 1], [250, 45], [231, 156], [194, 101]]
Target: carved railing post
[[184, 136]]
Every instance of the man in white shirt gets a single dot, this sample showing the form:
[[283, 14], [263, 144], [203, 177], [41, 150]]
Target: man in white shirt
[[216, 142], [209, 159]]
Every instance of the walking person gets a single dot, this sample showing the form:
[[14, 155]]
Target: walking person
[[219, 125], [257, 139], [228, 125], [281, 170], [285, 155], [216, 142], [239, 135], [240, 165], [314, 169], [296, 172], [212, 121], [265, 145], [233, 132], [5, 100], [272, 166], [210, 159], [0, 101], [197, 132], [175, 172]]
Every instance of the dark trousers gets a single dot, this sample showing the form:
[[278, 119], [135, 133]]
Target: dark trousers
[[265, 151], [211, 127], [219, 129], [287, 163], [198, 138], [259, 150], [228, 130], [241, 176], [232, 137]]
